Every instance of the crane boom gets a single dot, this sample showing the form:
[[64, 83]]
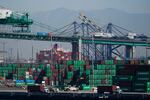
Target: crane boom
[[88, 21]]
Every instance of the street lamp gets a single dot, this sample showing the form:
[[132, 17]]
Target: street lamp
[[93, 61]]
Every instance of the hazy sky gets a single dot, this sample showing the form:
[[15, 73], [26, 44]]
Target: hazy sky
[[134, 6]]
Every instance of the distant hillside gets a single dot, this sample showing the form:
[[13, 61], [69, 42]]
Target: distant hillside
[[139, 23]]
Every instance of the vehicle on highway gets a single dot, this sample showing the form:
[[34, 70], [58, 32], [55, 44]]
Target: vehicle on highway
[[118, 90], [9, 83], [94, 89], [131, 35], [109, 89], [53, 89], [71, 88], [46, 90], [103, 35]]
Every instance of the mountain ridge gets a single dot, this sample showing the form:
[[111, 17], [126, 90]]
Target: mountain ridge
[[137, 22]]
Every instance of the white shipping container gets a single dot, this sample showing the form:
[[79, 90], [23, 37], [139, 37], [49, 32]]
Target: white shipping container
[[27, 76], [27, 73], [4, 13], [46, 55], [44, 78], [46, 61]]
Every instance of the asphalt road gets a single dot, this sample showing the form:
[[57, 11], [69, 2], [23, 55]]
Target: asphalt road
[[12, 89]]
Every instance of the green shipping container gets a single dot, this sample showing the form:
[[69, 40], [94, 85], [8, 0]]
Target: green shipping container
[[79, 62], [109, 62], [143, 79], [69, 62], [69, 75], [87, 72], [119, 62], [143, 73], [124, 78], [148, 84], [104, 85], [148, 90], [103, 67], [126, 89], [139, 84], [86, 88], [104, 77]]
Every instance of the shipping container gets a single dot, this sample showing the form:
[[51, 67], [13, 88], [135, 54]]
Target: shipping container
[[139, 84], [103, 67], [109, 62], [139, 90], [20, 83], [86, 88], [143, 73], [124, 78], [148, 84], [143, 78], [42, 34], [126, 89]]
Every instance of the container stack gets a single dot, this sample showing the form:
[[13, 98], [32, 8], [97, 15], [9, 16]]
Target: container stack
[[79, 64], [133, 77], [103, 74], [141, 79], [48, 71], [53, 55], [1, 72], [125, 82], [69, 75], [21, 73], [76, 70], [20, 83], [125, 77]]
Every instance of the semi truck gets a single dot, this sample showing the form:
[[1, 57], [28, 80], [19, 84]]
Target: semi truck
[[37, 88], [109, 89]]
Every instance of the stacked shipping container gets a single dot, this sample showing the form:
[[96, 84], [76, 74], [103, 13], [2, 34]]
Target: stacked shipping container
[[130, 77], [102, 74]]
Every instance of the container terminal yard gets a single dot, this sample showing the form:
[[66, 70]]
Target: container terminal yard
[[94, 69]]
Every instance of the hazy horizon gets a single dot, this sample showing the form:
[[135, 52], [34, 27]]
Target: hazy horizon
[[132, 6]]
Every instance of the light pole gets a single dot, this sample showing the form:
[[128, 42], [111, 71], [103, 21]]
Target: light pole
[[93, 61], [4, 51], [51, 48], [51, 53]]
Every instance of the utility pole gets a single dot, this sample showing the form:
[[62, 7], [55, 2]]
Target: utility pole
[[11, 49], [4, 51], [93, 61], [51, 49], [17, 53], [32, 54]]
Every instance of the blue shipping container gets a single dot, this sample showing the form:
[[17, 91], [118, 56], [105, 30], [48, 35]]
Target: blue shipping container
[[19, 81], [30, 81], [42, 33]]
